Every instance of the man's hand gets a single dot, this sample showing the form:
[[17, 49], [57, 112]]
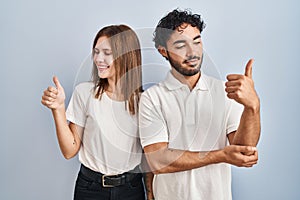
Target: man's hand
[[241, 88], [54, 98], [240, 156]]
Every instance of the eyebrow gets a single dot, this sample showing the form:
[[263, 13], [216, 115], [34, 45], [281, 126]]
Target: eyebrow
[[183, 41], [104, 49]]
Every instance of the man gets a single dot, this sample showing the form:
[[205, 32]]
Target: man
[[192, 126]]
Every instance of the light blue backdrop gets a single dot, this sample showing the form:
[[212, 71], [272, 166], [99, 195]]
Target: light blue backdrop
[[40, 39]]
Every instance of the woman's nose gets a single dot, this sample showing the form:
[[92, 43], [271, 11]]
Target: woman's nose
[[99, 57]]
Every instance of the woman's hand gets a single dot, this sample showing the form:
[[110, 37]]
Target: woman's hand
[[54, 97]]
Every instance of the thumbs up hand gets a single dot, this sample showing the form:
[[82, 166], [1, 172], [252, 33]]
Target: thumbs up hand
[[241, 88], [54, 97]]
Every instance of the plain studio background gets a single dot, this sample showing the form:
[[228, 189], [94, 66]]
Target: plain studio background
[[40, 39]]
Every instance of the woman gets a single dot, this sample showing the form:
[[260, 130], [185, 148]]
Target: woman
[[102, 117]]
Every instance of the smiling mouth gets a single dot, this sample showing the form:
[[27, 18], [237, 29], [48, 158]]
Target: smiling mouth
[[102, 68], [192, 61]]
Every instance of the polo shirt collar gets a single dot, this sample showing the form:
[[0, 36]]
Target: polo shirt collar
[[173, 84]]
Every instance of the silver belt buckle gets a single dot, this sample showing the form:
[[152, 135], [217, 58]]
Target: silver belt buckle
[[103, 181]]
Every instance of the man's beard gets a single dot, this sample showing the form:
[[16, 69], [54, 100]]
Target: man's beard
[[191, 71]]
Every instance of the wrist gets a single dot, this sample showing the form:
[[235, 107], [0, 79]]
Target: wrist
[[219, 156], [254, 108], [212, 157], [59, 109]]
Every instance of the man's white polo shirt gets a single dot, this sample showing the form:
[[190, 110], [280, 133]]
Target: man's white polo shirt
[[197, 120]]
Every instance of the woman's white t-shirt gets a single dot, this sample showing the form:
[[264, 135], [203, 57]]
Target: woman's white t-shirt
[[110, 142]]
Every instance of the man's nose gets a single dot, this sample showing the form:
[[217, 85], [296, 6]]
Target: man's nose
[[189, 50]]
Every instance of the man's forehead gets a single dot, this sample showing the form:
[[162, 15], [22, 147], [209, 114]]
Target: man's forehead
[[185, 32]]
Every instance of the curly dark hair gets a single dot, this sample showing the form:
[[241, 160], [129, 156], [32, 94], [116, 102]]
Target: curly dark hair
[[172, 21]]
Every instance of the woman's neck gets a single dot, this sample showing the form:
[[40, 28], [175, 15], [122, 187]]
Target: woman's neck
[[114, 91]]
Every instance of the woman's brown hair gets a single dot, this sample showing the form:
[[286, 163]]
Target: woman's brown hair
[[126, 52]]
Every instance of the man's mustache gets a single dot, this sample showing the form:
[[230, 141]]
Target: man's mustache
[[191, 58]]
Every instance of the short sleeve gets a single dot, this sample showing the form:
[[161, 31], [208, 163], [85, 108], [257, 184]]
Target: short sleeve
[[76, 112], [235, 111], [152, 126]]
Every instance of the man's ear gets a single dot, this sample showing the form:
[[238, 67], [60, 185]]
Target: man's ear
[[162, 50]]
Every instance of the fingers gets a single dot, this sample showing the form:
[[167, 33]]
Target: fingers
[[233, 77], [49, 96], [248, 69], [233, 88], [51, 91], [242, 156], [247, 149], [250, 164], [56, 82], [46, 102], [235, 82], [251, 160], [250, 156]]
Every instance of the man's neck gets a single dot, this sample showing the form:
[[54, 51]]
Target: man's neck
[[190, 81]]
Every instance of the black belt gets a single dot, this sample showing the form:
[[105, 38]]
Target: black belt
[[110, 180]]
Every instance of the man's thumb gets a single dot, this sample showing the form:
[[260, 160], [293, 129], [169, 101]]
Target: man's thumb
[[56, 82], [248, 69]]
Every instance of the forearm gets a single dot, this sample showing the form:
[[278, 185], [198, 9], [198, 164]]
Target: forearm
[[68, 142], [167, 160], [148, 178], [190, 160], [164, 160], [248, 132]]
